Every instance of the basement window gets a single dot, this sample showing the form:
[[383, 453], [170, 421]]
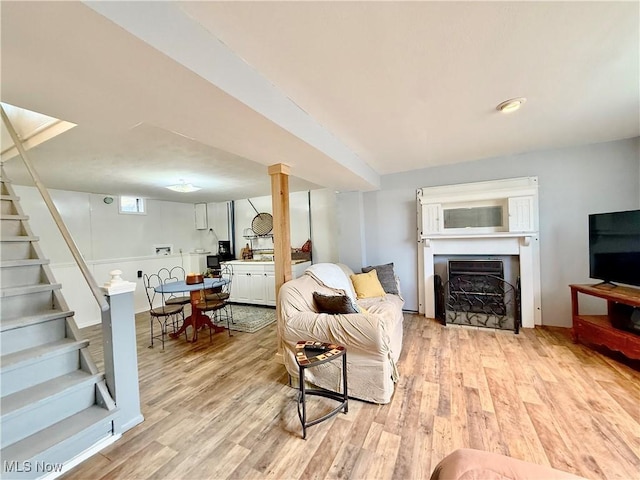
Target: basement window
[[132, 205]]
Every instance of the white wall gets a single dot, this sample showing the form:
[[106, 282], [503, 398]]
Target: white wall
[[109, 240], [299, 221], [573, 182], [324, 226], [217, 227], [102, 233], [351, 230]]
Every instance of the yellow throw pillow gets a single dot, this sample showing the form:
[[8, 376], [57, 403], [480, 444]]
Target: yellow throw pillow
[[367, 285]]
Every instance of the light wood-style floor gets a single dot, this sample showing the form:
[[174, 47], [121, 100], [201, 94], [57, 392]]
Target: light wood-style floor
[[224, 410]]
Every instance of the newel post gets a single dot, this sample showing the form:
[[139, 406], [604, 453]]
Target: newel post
[[120, 354]]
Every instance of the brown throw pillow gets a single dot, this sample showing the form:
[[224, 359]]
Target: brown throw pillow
[[386, 275], [333, 304]]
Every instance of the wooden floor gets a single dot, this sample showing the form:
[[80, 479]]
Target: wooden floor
[[224, 410]]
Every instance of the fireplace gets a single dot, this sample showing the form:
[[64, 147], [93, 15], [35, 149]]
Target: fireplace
[[476, 286], [495, 220], [477, 294]]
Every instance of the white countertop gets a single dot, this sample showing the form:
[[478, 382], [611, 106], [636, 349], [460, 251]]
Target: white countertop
[[261, 262]]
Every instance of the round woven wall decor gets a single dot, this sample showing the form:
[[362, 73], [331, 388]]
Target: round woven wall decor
[[262, 224]]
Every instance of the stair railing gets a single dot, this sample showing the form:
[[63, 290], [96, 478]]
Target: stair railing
[[86, 273]]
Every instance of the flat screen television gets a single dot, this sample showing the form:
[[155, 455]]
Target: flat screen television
[[614, 247]]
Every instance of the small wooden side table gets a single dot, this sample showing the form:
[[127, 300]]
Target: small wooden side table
[[310, 354]]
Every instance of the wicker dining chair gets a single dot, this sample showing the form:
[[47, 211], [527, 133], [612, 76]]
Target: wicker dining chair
[[164, 314], [217, 302], [176, 274], [226, 273]]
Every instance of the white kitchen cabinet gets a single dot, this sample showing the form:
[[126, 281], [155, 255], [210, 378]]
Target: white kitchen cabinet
[[240, 285], [270, 287], [254, 282], [257, 287], [201, 216], [248, 284]]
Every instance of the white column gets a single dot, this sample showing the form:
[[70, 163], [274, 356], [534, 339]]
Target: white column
[[529, 282], [428, 279]]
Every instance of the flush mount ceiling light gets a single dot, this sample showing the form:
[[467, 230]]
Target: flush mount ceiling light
[[511, 105], [183, 187]]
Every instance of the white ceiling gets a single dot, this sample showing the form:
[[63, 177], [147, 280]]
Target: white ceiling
[[343, 92]]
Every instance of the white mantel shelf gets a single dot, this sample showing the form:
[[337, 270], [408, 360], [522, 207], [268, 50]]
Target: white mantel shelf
[[435, 236], [426, 239]]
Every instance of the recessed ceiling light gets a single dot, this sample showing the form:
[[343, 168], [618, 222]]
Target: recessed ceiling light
[[183, 187], [511, 105]]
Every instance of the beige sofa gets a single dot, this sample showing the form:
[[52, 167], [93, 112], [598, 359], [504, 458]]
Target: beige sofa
[[470, 464], [373, 338]]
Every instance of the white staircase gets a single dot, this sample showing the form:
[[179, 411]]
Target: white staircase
[[55, 403]]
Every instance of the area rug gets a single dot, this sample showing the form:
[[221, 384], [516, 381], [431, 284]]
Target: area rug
[[250, 319]]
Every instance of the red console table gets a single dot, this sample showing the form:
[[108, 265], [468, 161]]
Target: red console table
[[604, 329]]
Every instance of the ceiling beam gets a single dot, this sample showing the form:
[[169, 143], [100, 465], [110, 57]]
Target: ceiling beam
[[167, 28]]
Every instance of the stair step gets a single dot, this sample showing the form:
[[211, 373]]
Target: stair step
[[30, 410], [17, 250], [23, 262], [28, 303], [13, 228], [16, 340], [31, 397], [9, 197], [31, 366], [5, 216], [59, 442], [8, 207], [33, 355], [26, 275], [21, 238], [15, 273], [27, 289], [11, 324]]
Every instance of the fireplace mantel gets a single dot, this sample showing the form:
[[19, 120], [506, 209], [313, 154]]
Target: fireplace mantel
[[525, 236], [517, 235]]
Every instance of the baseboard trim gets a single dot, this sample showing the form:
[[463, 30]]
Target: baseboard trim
[[78, 459]]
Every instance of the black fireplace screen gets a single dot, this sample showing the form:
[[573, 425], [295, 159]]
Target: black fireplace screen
[[476, 294]]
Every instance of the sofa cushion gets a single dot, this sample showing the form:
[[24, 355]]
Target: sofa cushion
[[332, 276], [386, 275], [333, 304], [367, 285], [471, 464]]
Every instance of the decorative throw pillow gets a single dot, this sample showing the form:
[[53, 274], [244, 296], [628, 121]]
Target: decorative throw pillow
[[387, 277], [333, 304], [367, 285]]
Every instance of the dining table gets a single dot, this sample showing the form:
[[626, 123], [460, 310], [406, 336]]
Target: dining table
[[196, 319]]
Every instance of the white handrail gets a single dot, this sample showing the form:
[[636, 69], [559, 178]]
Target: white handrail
[[93, 286]]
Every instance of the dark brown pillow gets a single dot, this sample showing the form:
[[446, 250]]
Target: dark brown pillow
[[386, 275], [333, 304]]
